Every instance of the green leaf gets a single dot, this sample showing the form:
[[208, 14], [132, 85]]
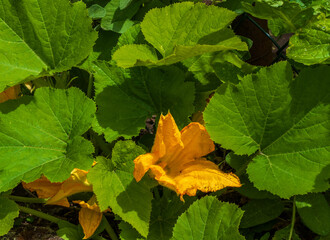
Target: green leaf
[[283, 16], [69, 233], [124, 3], [96, 11], [164, 214], [9, 211], [284, 234], [247, 189], [106, 41], [268, 112], [126, 98], [208, 218], [42, 37], [316, 216], [117, 19], [133, 35], [115, 186], [259, 211], [127, 232], [43, 134], [192, 30], [265, 236], [311, 44], [204, 72]]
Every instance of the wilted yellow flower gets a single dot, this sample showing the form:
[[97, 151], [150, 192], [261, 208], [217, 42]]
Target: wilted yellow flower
[[176, 160], [10, 93], [90, 216], [57, 192]]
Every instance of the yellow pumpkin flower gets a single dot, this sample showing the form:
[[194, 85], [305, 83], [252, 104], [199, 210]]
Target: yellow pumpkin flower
[[176, 160]]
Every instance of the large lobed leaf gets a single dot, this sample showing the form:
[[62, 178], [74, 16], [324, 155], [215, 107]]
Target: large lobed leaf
[[208, 218], [42, 135], [42, 37], [178, 32], [285, 121], [115, 186], [126, 98]]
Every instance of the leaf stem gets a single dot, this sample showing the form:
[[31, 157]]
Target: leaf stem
[[90, 86], [156, 192], [41, 214], [293, 217], [109, 229], [26, 199]]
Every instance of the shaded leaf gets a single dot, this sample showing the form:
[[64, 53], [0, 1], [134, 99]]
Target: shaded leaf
[[127, 232], [284, 234], [126, 98], [314, 211], [260, 211], [283, 16], [96, 11], [117, 18], [164, 214]]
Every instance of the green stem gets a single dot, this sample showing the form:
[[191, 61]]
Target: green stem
[[90, 86], [26, 199], [109, 229], [157, 195], [293, 218], [41, 214]]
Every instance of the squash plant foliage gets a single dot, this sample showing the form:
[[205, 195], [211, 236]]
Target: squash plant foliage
[[79, 79]]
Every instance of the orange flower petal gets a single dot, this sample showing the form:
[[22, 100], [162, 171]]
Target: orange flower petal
[[90, 216], [196, 140], [46, 189], [204, 176], [142, 165], [43, 187], [10, 93], [168, 136], [76, 183]]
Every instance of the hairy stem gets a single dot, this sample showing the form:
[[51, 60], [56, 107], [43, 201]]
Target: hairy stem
[[41, 215], [109, 229], [293, 219], [26, 199]]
